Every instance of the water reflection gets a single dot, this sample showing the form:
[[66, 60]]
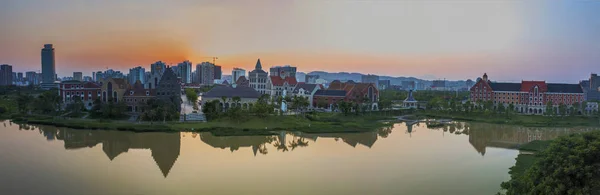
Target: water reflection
[[165, 147]]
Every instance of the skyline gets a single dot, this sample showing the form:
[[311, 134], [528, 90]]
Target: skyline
[[458, 40]]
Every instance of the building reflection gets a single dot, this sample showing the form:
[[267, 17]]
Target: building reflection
[[165, 147]]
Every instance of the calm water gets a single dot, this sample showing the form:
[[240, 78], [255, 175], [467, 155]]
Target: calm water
[[466, 159]]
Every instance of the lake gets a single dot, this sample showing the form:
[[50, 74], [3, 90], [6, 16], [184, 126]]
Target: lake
[[466, 158]]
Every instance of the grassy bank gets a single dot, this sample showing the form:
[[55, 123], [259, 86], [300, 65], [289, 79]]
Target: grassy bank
[[515, 119], [317, 123]]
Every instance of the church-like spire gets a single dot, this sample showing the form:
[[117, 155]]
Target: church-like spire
[[258, 65]]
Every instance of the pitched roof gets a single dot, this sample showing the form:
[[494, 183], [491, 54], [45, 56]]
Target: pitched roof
[[527, 85], [241, 80], [564, 88], [138, 90], [329, 92], [278, 81], [305, 86], [229, 91], [91, 85], [410, 97], [505, 86]]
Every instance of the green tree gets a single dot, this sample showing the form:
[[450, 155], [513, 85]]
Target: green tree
[[212, 109], [562, 109], [23, 102], [75, 106], [192, 97], [569, 165]]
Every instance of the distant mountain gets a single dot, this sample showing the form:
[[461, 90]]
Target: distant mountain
[[345, 76]]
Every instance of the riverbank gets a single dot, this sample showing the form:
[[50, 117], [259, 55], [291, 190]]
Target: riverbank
[[317, 123], [515, 119]]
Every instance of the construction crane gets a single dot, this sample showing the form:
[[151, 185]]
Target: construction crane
[[214, 59]]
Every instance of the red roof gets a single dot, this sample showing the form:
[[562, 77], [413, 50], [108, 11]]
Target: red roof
[[528, 85], [138, 90], [278, 81]]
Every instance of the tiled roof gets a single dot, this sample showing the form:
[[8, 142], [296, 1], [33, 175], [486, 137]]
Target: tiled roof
[[527, 85], [278, 81], [505, 86], [305, 86], [564, 88], [329, 92], [229, 91], [91, 85], [138, 90], [242, 80]]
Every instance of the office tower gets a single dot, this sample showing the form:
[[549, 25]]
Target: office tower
[[137, 74], [32, 78], [237, 73], [48, 67], [78, 76], [157, 68], [206, 73], [218, 73], [6, 76], [370, 79], [185, 71]]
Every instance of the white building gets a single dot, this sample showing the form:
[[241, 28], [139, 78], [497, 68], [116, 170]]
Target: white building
[[236, 74]]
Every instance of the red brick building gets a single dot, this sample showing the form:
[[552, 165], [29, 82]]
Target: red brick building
[[136, 97], [87, 91], [528, 97], [351, 91]]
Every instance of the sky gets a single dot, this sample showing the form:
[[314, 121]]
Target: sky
[[556, 41]]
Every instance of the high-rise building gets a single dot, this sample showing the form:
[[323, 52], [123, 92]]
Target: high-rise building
[[206, 73], [408, 85], [20, 77], [218, 72], [311, 79], [87, 78], [32, 78], [195, 77], [78, 76], [384, 84], [185, 71], [6, 76], [158, 68], [137, 74], [237, 73], [14, 77], [439, 84], [48, 68], [283, 71], [259, 79], [370, 79]]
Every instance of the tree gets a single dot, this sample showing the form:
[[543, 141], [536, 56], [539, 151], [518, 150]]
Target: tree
[[23, 102], [75, 106], [212, 109], [511, 109], [576, 108], [562, 109], [262, 108], [549, 106], [569, 165], [192, 97]]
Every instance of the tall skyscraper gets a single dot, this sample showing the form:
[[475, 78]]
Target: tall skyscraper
[[48, 67], [32, 78], [78, 76], [137, 74], [283, 71], [20, 77], [185, 71], [206, 73], [218, 73], [237, 73], [158, 68], [6, 76]]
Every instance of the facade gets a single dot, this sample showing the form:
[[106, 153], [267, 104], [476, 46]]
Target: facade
[[6, 76], [185, 71], [87, 91], [206, 73], [259, 79], [283, 71], [591, 88], [20, 77], [439, 84], [78, 76], [384, 84], [358, 92], [528, 97], [137, 74], [306, 90], [327, 98], [158, 68], [32, 78], [370, 79], [311, 79], [278, 84], [248, 96], [169, 88], [218, 73], [136, 97], [48, 67], [113, 89], [237, 73]]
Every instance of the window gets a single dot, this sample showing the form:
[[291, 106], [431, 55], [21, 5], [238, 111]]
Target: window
[[147, 93], [130, 92]]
